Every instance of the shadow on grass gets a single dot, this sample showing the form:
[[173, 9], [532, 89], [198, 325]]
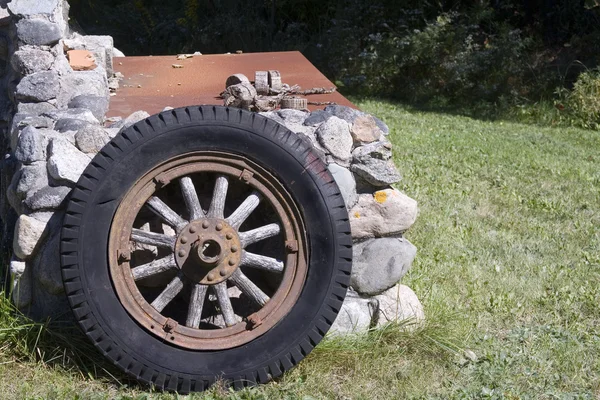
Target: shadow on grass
[[540, 113], [55, 343]]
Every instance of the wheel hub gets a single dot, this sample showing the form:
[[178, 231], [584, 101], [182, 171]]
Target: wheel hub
[[208, 251]]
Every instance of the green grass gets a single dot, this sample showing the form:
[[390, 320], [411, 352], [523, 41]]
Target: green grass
[[508, 267]]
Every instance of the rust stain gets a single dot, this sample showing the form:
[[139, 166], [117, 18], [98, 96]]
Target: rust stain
[[152, 83]]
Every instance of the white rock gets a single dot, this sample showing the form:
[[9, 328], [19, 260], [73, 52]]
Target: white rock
[[399, 304], [28, 232], [66, 162], [356, 315], [387, 212], [378, 264], [347, 184], [117, 53], [21, 283], [334, 136], [91, 139]]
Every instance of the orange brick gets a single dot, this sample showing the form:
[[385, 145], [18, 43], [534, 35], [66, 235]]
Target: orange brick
[[81, 60]]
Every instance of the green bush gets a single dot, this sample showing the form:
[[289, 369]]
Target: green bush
[[581, 105]]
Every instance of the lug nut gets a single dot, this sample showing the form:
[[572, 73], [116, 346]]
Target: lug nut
[[223, 272], [211, 277], [184, 239], [234, 248], [219, 227], [229, 236], [231, 262], [205, 224], [182, 253], [192, 229]]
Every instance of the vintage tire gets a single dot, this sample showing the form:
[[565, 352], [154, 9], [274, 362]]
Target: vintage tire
[[90, 266]]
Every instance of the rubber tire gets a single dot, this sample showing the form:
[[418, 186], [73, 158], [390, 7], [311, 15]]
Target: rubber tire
[[129, 156]]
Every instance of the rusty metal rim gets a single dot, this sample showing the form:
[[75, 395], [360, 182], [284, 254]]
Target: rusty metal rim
[[234, 166]]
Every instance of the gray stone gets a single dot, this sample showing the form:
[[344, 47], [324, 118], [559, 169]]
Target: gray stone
[[382, 125], [317, 118], [334, 136], [98, 105], [357, 315], [377, 172], [47, 264], [274, 115], [11, 193], [378, 264], [293, 116], [49, 197], [31, 146], [27, 8], [348, 114], [66, 162], [40, 86], [381, 150], [32, 178], [91, 139], [38, 32], [81, 114], [30, 60], [21, 284], [387, 212], [21, 121], [36, 108], [347, 184], [365, 130], [70, 125], [28, 233], [80, 83], [400, 304], [132, 119], [373, 163]]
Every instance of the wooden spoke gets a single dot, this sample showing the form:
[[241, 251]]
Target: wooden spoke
[[261, 262], [167, 295], [191, 198], [258, 234], [237, 218], [217, 205], [154, 267], [225, 303], [165, 212], [248, 287], [196, 305], [153, 239]]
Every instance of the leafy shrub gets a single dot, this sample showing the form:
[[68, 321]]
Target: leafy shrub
[[581, 105]]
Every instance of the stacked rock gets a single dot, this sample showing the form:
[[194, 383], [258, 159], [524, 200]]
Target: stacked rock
[[55, 126], [54, 117], [359, 155]]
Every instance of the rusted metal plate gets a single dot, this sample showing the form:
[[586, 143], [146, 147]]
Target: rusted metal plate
[[151, 83]]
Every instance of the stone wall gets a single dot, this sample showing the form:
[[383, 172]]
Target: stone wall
[[356, 147], [56, 85], [52, 123]]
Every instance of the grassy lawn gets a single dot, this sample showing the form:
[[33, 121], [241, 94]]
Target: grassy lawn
[[508, 269]]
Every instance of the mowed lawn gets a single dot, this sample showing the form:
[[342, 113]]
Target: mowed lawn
[[508, 270]]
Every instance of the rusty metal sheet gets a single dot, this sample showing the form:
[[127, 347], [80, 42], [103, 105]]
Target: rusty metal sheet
[[151, 83]]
